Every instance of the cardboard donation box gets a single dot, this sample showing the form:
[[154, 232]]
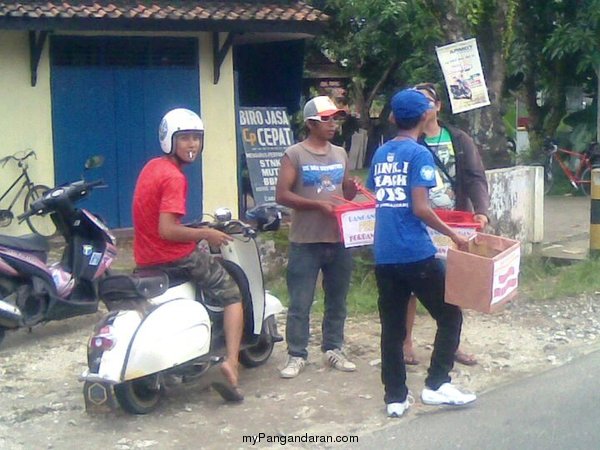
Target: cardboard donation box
[[486, 276], [356, 220], [460, 221]]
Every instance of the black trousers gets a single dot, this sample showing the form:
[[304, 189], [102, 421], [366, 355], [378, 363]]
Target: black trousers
[[396, 282]]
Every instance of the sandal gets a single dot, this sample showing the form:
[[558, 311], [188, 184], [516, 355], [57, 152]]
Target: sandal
[[411, 360], [464, 358], [228, 392]]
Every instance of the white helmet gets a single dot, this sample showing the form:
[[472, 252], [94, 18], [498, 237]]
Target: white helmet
[[175, 121]]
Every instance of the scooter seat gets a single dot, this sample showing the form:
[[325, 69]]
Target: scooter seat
[[133, 287], [29, 242]]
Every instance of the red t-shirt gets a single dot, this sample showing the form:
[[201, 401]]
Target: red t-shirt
[[161, 187]]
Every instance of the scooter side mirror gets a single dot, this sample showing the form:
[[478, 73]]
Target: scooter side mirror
[[94, 162], [267, 216], [223, 214], [271, 223]]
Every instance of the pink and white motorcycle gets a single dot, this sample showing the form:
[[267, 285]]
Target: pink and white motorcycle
[[33, 291]]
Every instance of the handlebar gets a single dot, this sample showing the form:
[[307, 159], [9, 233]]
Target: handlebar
[[266, 216], [26, 214], [550, 146], [4, 160], [61, 197], [233, 226]]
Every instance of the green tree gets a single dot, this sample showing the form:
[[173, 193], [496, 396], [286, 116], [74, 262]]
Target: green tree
[[386, 44], [554, 45], [374, 40], [578, 40], [491, 23]]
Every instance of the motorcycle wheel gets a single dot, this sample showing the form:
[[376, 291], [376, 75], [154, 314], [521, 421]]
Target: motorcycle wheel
[[6, 288], [139, 396], [259, 353]]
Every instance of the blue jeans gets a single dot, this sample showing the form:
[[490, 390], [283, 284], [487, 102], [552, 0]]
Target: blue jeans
[[304, 263], [395, 283]]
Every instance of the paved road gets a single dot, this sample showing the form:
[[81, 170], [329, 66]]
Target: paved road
[[555, 410], [566, 227]]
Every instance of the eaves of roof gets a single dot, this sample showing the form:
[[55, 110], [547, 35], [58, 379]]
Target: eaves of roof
[[163, 15]]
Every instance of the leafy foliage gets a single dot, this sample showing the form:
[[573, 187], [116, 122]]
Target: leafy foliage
[[555, 46], [374, 39], [577, 35], [539, 46]]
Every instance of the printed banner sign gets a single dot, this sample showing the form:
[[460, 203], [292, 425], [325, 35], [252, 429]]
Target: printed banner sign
[[357, 226], [265, 134], [464, 76]]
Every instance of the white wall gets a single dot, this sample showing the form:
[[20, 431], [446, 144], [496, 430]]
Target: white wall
[[517, 204], [218, 113], [25, 116]]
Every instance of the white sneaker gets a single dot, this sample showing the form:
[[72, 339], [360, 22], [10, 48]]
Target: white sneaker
[[446, 394], [293, 367], [337, 360], [398, 409]]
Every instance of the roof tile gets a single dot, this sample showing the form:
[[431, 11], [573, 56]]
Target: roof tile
[[226, 10]]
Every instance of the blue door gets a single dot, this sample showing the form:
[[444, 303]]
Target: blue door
[[108, 97]]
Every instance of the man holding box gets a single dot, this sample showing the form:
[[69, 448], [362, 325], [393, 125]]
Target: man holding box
[[312, 173], [460, 185], [402, 172]]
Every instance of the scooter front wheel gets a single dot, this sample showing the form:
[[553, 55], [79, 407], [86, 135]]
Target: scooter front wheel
[[259, 353], [139, 396]]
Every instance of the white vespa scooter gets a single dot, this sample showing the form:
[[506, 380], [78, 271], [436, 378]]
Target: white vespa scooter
[[159, 327]]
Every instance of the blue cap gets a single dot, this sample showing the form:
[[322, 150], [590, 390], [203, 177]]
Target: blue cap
[[410, 104]]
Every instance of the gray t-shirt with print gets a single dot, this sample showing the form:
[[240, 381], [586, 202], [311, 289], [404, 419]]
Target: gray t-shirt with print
[[319, 177]]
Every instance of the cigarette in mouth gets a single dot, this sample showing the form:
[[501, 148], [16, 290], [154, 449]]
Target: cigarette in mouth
[[191, 155]]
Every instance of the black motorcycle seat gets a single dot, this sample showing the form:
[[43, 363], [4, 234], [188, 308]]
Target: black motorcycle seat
[[131, 287], [29, 242], [175, 275]]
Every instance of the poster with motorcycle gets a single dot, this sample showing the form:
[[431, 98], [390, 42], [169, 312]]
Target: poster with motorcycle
[[464, 76]]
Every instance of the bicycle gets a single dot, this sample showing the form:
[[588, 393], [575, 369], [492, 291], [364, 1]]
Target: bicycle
[[580, 176], [41, 225]]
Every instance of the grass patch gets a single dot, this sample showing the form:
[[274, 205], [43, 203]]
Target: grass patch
[[541, 279], [362, 297]]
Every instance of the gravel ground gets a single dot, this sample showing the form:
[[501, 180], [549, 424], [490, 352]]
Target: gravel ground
[[42, 403]]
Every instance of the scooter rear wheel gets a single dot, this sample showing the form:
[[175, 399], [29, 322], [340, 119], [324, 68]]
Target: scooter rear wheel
[[139, 396], [7, 287], [259, 353]]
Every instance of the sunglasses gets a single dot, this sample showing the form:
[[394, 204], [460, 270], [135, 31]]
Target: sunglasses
[[429, 89], [327, 119]]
